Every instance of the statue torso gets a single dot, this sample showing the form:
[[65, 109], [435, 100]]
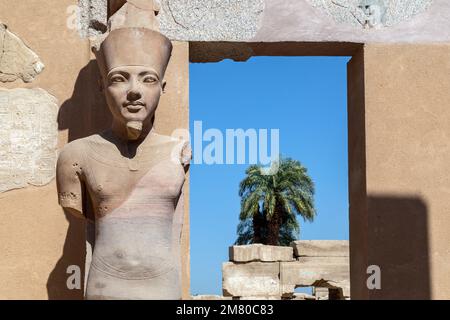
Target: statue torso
[[134, 203]]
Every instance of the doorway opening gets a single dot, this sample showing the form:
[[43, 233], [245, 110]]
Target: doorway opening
[[305, 98]]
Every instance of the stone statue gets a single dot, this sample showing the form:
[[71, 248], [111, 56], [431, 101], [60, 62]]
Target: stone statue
[[130, 177]]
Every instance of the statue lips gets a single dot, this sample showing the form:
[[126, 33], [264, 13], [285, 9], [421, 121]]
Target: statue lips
[[135, 106]]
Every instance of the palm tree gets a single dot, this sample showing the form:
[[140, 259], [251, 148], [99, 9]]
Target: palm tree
[[271, 201]]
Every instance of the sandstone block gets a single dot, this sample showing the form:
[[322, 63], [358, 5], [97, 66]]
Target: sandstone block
[[251, 279], [321, 248], [321, 293], [210, 297], [260, 298], [315, 271], [302, 296], [259, 252]]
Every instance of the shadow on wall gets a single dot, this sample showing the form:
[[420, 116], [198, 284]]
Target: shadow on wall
[[83, 114], [86, 112], [74, 253], [398, 244]]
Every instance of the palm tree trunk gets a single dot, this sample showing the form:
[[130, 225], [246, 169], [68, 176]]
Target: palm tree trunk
[[273, 232], [257, 227]]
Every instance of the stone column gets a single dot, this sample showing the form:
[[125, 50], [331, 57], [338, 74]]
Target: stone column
[[399, 152]]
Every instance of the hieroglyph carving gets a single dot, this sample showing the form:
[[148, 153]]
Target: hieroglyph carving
[[28, 138]]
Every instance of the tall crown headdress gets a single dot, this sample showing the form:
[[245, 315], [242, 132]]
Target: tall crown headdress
[[133, 38]]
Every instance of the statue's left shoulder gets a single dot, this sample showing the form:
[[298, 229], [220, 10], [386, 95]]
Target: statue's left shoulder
[[186, 153], [180, 149]]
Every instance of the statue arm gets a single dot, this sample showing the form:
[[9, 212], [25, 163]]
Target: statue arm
[[177, 231], [178, 219], [68, 180]]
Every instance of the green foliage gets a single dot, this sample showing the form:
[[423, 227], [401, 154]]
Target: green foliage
[[271, 200]]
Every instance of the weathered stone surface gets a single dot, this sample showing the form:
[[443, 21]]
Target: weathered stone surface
[[321, 293], [213, 20], [315, 271], [251, 279], [28, 137], [404, 21], [259, 252], [298, 20], [321, 248], [92, 17], [302, 296], [371, 13], [210, 297], [135, 14], [17, 61], [187, 20], [260, 298]]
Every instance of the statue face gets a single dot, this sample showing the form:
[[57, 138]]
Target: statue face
[[132, 93]]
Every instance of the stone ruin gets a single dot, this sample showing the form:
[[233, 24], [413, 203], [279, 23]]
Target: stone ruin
[[260, 272]]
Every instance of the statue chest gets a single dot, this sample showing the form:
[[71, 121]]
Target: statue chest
[[150, 188]]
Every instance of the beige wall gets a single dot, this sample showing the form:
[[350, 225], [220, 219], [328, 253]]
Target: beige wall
[[37, 241], [399, 112]]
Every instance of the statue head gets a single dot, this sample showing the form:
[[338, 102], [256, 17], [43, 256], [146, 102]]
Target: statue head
[[132, 63]]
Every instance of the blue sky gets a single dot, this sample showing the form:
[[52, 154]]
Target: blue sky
[[306, 99]]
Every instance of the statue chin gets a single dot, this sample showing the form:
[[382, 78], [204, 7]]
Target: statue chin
[[134, 130]]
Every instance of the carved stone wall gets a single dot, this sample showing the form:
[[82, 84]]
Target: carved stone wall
[[28, 138]]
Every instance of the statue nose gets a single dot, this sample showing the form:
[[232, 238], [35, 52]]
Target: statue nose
[[133, 94]]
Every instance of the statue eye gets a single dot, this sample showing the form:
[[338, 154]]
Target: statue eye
[[117, 78], [150, 80]]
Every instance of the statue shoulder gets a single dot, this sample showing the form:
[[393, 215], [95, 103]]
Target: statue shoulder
[[76, 151], [180, 148], [159, 139], [70, 176]]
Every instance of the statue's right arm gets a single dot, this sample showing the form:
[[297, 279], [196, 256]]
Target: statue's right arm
[[69, 180]]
